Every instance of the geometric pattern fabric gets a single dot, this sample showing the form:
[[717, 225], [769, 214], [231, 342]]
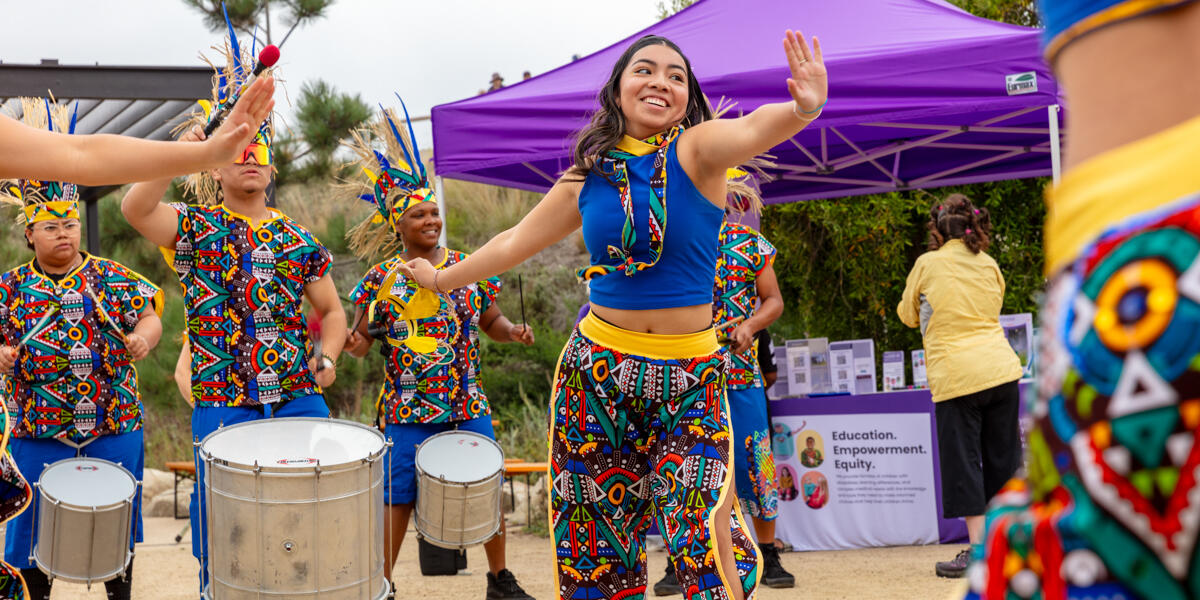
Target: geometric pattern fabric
[[74, 378], [1111, 504], [637, 440], [745, 253], [243, 287], [438, 387]]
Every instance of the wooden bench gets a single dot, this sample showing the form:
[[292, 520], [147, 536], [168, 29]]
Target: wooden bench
[[516, 466], [181, 470]]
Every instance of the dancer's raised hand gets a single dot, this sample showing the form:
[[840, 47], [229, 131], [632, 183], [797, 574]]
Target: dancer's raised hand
[[241, 125], [809, 83]]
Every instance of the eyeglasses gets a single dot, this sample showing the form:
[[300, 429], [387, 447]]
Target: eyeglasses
[[260, 152], [53, 228]]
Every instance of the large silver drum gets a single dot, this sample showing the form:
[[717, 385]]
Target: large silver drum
[[460, 476], [85, 518], [294, 510]]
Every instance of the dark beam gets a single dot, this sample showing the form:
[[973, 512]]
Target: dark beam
[[123, 83]]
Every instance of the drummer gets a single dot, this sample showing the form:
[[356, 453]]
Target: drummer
[[71, 325], [244, 268], [431, 344]]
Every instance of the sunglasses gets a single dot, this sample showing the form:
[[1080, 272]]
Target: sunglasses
[[260, 152]]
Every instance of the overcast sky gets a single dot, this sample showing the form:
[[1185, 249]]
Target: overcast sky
[[430, 51]]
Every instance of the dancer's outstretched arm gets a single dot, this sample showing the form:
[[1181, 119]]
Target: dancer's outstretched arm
[[713, 146], [29, 153], [142, 204], [555, 217]]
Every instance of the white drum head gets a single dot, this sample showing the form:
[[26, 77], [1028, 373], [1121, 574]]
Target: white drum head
[[87, 482], [460, 456], [300, 443]]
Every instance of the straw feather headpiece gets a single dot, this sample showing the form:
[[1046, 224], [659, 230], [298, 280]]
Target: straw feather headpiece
[[43, 200], [395, 180]]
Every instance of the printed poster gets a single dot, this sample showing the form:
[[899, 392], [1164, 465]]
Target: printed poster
[[855, 481]]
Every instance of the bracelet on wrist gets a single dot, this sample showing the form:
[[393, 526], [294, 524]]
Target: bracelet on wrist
[[805, 115], [437, 288]]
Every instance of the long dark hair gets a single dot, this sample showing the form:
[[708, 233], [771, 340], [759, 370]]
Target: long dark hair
[[956, 217], [608, 122]]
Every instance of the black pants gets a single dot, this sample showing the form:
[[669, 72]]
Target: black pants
[[38, 585], [979, 447]]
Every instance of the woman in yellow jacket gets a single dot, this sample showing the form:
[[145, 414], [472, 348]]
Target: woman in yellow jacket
[[955, 293]]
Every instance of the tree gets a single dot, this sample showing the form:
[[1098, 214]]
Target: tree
[[245, 15], [323, 118], [667, 8]]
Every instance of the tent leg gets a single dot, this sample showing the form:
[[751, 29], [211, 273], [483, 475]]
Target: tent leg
[[440, 190], [1055, 144]]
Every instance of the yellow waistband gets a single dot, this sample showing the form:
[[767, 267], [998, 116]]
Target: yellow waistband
[[649, 345], [1140, 176]]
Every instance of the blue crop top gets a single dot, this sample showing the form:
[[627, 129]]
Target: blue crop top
[[685, 270], [1067, 20]]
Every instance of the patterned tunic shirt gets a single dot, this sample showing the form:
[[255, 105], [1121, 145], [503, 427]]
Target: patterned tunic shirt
[[745, 253], [439, 387], [243, 285], [73, 377]]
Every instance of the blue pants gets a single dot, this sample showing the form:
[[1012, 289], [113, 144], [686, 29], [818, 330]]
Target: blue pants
[[206, 420], [32, 455], [753, 462], [401, 486]]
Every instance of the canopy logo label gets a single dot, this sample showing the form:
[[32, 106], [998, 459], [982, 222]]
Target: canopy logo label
[[1021, 83]]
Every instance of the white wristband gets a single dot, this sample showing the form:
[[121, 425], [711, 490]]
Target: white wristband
[[806, 117]]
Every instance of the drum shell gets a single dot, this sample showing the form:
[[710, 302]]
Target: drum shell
[[58, 551], [295, 532], [455, 514]]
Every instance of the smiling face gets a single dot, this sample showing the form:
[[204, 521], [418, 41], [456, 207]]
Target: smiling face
[[653, 92], [421, 226]]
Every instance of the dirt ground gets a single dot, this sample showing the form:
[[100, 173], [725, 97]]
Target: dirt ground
[[166, 571]]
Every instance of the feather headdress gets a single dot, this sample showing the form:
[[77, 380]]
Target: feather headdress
[[395, 180], [228, 82]]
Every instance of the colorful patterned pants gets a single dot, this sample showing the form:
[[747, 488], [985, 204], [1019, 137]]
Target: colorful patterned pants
[[753, 463], [636, 438], [1110, 507], [15, 496]]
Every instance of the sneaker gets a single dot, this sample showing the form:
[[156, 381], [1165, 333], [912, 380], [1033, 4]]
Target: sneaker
[[505, 587], [669, 584], [954, 568], [774, 575]]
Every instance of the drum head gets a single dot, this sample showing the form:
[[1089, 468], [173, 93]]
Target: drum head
[[299, 443], [87, 482], [460, 456]]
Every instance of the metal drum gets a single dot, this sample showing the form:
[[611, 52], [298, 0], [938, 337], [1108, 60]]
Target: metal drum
[[294, 510], [85, 518], [460, 476]]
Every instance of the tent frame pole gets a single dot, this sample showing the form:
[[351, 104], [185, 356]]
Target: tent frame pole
[[1055, 144], [440, 190]]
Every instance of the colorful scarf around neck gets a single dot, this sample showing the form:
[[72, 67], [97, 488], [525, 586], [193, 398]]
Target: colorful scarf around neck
[[612, 165]]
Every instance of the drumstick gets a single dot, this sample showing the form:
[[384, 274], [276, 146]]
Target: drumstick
[[37, 328], [727, 324], [521, 294], [103, 313]]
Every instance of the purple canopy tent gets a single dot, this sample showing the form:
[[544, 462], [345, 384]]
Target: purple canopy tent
[[922, 95]]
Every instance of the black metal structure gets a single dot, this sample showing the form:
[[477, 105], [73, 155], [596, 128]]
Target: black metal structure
[[140, 101]]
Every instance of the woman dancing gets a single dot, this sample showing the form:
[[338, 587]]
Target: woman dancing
[[640, 422]]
